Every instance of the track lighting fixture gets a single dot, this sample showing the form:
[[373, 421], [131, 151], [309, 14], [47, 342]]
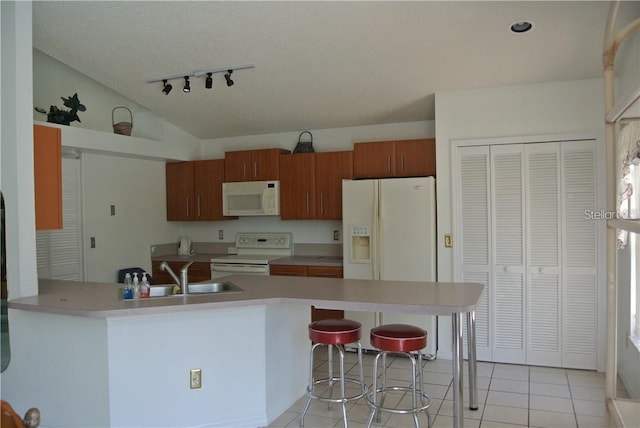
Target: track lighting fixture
[[227, 77], [208, 81], [166, 87]]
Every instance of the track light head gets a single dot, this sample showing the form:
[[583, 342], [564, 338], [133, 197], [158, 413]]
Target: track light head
[[166, 87], [228, 78], [187, 86], [208, 82]]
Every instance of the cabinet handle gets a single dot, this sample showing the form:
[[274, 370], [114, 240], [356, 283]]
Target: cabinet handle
[[255, 169], [307, 203], [187, 207], [402, 163], [388, 163], [198, 206], [321, 203], [244, 169]]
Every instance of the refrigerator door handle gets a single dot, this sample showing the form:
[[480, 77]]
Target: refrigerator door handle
[[380, 234]]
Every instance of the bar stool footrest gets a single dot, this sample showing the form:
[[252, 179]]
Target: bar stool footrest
[[420, 395], [336, 384]]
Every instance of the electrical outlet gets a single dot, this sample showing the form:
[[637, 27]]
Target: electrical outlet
[[220, 234], [113, 210], [336, 235], [93, 242], [195, 378]]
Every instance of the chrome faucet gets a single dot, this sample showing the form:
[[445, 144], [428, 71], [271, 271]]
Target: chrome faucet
[[183, 281]]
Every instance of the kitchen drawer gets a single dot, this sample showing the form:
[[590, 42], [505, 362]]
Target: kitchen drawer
[[288, 270], [324, 271]]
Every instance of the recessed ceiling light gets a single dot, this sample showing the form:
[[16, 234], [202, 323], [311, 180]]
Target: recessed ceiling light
[[519, 27]]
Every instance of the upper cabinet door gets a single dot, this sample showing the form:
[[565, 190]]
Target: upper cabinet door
[[416, 158], [404, 158], [374, 160], [331, 169], [180, 191], [297, 186], [47, 164], [238, 166], [208, 177]]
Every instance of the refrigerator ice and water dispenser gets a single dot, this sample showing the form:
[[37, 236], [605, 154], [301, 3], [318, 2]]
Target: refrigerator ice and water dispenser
[[360, 244]]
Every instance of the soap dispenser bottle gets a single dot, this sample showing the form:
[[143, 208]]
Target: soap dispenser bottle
[[144, 286], [136, 286], [128, 287]]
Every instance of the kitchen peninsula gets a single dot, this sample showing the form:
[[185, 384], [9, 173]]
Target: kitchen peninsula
[[86, 357]]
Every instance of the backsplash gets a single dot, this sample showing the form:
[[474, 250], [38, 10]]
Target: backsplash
[[333, 250]]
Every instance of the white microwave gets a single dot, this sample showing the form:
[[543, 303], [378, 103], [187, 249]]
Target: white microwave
[[246, 198]]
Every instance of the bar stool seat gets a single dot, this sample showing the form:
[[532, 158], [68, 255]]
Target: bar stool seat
[[401, 339], [330, 333]]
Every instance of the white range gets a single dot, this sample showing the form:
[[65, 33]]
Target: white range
[[254, 251]]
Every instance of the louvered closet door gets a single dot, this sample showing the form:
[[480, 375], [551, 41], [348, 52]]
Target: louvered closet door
[[472, 188], [542, 163], [579, 281], [508, 275]]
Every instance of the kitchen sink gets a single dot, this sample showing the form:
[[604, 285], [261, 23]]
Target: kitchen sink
[[214, 287], [197, 288], [160, 290]]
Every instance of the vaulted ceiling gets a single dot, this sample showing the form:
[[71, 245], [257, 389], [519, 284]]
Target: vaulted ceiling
[[318, 64]]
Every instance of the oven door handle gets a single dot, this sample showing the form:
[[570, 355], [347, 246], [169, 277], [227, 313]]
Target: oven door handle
[[239, 268]]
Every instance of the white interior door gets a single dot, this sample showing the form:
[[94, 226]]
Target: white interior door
[[508, 274], [579, 264], [543, 254], [474, 229]]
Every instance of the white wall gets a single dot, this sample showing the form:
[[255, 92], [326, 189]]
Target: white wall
[[524, 110], [137, 189], [17, 148], [53, 79]]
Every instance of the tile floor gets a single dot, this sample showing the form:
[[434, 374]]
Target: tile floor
[[508, 396]]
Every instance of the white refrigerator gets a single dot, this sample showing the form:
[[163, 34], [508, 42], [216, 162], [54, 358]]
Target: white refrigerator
[[389, 229]]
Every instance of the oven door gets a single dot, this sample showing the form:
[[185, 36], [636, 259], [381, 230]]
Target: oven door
[[223, 269]]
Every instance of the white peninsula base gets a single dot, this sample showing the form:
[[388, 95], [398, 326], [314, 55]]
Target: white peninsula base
[[133, 371]]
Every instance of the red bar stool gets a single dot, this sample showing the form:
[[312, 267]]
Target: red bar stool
[[330, 333], [401, 339]]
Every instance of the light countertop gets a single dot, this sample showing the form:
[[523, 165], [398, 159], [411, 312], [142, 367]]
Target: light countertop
[[101, 300]]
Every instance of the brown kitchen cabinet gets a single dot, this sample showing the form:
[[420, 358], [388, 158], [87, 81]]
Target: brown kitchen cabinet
[[198, 271], [253, 165], [317, 314], [47, 165], [194, 190], [311, 184], [404, 158]]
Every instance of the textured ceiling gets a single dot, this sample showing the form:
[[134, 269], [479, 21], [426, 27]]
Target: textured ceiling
[[317, 64]]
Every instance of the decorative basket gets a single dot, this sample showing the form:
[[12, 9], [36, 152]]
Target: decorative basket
[[123, 128], [304, 146]]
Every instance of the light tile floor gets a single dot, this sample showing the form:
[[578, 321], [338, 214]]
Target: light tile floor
[[508, 396]]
